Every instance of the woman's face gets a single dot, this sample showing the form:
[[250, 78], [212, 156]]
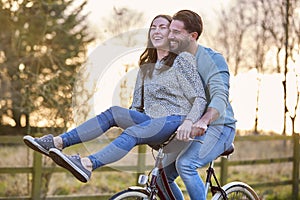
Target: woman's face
[[159, 32]]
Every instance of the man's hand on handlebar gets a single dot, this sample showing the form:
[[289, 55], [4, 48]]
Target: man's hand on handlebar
[[187, 130], [198, 128]]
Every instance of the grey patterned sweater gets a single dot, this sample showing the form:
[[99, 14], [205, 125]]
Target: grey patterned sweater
[[176, 91]]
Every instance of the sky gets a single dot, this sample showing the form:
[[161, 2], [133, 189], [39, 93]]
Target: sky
[[207, 9]]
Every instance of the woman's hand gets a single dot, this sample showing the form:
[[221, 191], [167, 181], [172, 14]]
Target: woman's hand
[[198, 128], [184, 130]]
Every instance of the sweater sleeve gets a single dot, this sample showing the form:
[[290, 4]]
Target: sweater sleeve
[[137, 94], [220, 90], [191, 84], [215, 75], [218, 84]]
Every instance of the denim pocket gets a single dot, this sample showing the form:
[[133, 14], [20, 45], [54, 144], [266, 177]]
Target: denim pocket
[[210, 146]]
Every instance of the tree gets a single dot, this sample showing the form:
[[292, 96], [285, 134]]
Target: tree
[[235, 24], [43, 45], [243, 36], [123, 27], [250, 30], [121, 21]]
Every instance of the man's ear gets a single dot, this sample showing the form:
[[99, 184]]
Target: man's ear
[[194, 35]]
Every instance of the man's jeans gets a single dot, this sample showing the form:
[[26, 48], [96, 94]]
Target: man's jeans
[[138, 127], [185, 162]]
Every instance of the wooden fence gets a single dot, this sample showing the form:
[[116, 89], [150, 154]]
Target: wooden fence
[[37, 168]]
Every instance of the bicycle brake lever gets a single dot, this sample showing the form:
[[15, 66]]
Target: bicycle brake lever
[[196, 140]]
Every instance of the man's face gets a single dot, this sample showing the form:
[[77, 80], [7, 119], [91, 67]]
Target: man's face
[[179, 38]]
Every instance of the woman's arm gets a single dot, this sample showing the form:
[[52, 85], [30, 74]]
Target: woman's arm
[[193, 89], [137, 100]]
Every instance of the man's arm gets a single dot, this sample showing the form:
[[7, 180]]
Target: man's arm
[[200, 126], [216, 78]]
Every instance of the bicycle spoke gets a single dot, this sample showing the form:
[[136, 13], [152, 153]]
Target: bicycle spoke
[[238, 196]]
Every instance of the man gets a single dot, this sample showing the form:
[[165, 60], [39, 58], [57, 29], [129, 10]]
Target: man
[[217, 125]]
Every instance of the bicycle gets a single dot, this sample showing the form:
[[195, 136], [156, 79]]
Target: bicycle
[[151, 191]]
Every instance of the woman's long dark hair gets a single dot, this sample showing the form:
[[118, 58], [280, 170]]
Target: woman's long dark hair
[[149, 57]]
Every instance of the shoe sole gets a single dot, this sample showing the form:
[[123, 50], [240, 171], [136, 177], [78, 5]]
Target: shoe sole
[[30, 142], [60, 159]]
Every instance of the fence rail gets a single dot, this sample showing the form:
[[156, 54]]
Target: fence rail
[[37, 168]]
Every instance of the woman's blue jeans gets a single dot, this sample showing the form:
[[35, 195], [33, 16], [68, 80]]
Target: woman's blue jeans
[[138, 128], [185, 162]]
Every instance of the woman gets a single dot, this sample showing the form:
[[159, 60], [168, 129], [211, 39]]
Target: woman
[[168, 89]]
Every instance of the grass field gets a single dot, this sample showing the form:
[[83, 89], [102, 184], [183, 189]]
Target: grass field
[[111, 182]]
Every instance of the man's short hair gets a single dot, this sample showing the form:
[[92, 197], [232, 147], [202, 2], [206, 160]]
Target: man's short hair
[[191, 20]]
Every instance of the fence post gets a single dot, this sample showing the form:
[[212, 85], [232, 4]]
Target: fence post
[[36, 176], [141, 162], [296, 161], [224, 171]]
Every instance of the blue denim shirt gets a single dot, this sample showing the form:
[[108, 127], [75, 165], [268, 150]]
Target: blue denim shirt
[[214, 73]]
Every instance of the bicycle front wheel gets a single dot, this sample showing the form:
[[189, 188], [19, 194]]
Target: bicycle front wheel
[[131, 195], [237, 191]]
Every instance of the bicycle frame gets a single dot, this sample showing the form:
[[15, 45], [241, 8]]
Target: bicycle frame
[[159, 171], [154, 189], [208, 183]]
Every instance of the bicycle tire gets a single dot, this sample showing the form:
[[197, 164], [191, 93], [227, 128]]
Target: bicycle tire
[[131, 194], [237, 191]]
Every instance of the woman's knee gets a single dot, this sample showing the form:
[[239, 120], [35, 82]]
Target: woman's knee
[[121, 116], [115, 109]]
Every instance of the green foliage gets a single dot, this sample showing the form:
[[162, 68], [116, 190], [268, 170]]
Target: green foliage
[[43, 44], [62, 191], [278, 193]]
